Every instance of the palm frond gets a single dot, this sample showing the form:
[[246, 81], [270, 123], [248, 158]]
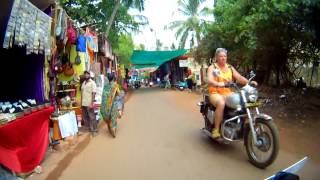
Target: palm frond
[[193, 23], [175, 24], [184, 12], [141, 19], [179, 31], [206, 11], [183, 38], [138, 4]]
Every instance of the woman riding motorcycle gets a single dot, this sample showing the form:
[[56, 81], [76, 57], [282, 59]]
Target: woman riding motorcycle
[[220, 74]]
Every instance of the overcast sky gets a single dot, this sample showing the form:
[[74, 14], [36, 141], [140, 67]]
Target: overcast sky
[[160, 13]]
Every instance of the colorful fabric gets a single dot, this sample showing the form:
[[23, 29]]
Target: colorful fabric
[[120, 100], [109, 110], [24, 141], [96, 44], [81, 43], [90, 52], [46, 78]]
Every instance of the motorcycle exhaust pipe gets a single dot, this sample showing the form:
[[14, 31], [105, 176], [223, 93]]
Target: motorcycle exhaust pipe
[[200, 103], [206, 132]]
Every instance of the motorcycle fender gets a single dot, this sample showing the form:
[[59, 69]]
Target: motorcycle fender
[[202, 107], [263, 117]]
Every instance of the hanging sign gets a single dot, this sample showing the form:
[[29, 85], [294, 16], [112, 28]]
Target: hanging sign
[[183, 63]]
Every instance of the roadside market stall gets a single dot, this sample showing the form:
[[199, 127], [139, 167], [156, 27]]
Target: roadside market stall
[[44, 54], [76, 49], [24, 111]]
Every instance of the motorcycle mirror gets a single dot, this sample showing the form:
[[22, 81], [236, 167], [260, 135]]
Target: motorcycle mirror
[[252, 73]]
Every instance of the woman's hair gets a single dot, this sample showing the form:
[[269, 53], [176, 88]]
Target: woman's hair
[[219, 50], [110, 77]]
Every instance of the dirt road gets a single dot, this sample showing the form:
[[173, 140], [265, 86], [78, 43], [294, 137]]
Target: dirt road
[[160, 138]]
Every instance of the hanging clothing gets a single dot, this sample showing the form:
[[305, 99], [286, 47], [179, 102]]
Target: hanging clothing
[[96, 44], [81, 43], [90, 52]]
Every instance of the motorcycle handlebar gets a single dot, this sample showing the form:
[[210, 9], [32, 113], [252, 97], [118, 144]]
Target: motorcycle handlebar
[[230, 84]]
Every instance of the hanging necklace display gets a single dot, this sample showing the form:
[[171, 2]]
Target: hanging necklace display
[[11, 25], [30, 27]]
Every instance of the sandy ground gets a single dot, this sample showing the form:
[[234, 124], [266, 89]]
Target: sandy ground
[[159, 138]]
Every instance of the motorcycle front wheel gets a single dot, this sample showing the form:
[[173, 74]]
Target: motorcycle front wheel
[[264, 155]]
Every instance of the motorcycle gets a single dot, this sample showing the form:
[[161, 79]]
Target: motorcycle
[[137, 84], [181, 85], [240, 122]]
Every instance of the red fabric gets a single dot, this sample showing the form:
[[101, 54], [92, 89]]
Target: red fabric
[[23, 142]]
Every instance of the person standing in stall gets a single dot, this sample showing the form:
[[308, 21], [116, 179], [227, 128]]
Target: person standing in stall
[[88, 91]]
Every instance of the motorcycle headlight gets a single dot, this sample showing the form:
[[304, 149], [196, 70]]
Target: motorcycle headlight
[[252, 94], [253, 98]]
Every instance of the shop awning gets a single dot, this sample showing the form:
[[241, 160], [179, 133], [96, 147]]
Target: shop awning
[[154, 58], [142, 66]]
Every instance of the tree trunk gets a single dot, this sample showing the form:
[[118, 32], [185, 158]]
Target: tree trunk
[[198, 38], [267, 74], [278, 76], [312, 72], [111, 19]]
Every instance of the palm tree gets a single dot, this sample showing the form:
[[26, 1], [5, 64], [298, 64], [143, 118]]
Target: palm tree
[[193, 26]]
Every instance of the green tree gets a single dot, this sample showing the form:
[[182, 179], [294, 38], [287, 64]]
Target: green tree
[[138, 4], [194, 25], [269, 36], [125, 49]]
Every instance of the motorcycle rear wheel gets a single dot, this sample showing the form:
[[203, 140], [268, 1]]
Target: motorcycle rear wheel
[[267, 133]]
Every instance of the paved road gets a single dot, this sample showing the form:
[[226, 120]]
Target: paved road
[[160, 138]]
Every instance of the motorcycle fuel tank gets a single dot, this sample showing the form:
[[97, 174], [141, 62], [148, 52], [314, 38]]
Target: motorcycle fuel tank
[[233, 101]]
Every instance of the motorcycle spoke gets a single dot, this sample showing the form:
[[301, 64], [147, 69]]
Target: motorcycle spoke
[[262, 128], [258, 153]]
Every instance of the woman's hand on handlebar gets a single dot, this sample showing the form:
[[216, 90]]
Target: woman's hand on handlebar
[[225, 84], [254, 83], [229, 84]]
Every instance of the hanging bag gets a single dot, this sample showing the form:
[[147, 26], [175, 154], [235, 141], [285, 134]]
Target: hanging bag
[[58, 67], [71, 33], [77, 61], [68, 70]]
